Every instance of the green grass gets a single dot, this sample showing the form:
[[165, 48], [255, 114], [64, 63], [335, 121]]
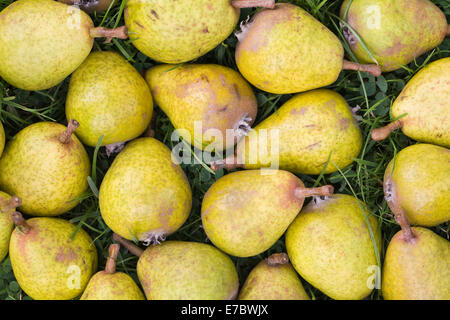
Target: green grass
[[363, 179]]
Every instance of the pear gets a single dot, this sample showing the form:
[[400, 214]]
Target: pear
[[286, 50], [301, 136], [112, 285], [395, 31], [422, 106], [8, 205], [180, 270], [183, 30], [106, 95], [218, 98], [44, 41], [244, 213], [144, 195], [273, 278], [90, 6], [50, 261], [330, 245], [418, 179], [47, 167], [2, 138]]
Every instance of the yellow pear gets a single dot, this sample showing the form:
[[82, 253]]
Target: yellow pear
[[8, 206]]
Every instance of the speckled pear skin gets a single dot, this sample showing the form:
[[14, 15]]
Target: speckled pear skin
[[425, 100], [215, 95], [42, 42], [395, 31], [106, 95], [2, 138], [421, 180], [286, 50], [244, 213], [45, 261], [417, 270], [179, 31], [6, 224], [45, 173], [329, 245], [279, 282], [116, 286], [145, 195], [311, 125], [178, 270]]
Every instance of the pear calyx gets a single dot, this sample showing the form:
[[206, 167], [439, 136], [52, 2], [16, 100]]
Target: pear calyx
[[134, 249], [241, 4], [102, 32], [110, 267], [278, 259], [20, 222], [324, 191], [71, 127], [383, 132], [373, 69], [13, 203]]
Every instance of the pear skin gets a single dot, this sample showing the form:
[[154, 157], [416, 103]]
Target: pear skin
[[8, 206], [2, 138]]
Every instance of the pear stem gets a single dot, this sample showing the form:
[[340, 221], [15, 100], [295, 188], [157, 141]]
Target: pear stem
[[278, 259], [20, 222], [384, 132], [228, 163], [241, 4], [373, 69], [110, 267], [324, 191], [134, 249], [71, 127], [102, 32]]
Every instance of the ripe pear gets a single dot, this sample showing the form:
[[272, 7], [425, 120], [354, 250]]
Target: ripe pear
[[217, 97], [48, 261], [423, 106], [300, 137], [180, 270], [106, 95], [8, 206], [395, 31], [183, 30], [90, 6], [47, 167], [273, 278], [112, 285], [286, 50], [331, 245], [44, 41], [418, 179], [245, 212], [144, 195]]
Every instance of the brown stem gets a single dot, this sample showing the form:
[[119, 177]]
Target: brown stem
[[110, 267], [384, 132], [102, 32], [301, 193], [134, 249], [241, 4], [71, 127], [390, 195], [228, 163], [20, 222], [278, 259], [373, 69]]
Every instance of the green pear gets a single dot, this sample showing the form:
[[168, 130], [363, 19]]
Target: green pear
[[333, 244], [179, 270], [50, 258], [47, 167], [144, 195], [183, 30], [418, 179], [213, 96], [90, 6], [106, 95], [44, 41], [301, 136], [8, 206], [286, 50], [394, 31], [273, 278], [112, 285], [422, 106], [244, 213]]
